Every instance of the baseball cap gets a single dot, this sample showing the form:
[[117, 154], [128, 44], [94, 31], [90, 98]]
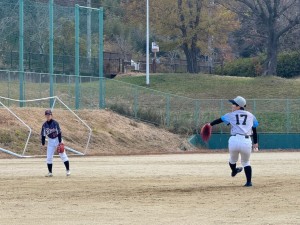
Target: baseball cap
[[240, 101], [48, 112]]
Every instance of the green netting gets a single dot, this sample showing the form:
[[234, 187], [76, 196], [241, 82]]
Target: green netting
[[64, 39], [88, 41], [9, 38], [37, 24], [89, 90], [36, 36]]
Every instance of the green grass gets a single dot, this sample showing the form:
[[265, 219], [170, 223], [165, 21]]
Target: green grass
[[203, 86], [278, 116], [182, 112]]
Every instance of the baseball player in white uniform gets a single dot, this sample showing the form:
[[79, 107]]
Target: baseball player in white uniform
[[243, 126], [51, 129]]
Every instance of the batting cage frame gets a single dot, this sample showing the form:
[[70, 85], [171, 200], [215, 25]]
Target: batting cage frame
[[54, 23], [53, 101]]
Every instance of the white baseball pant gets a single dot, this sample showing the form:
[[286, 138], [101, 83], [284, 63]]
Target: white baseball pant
[[239, 144], [51, 148]]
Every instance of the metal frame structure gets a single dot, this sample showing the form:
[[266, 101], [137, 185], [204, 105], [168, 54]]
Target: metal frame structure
[[53, 100]]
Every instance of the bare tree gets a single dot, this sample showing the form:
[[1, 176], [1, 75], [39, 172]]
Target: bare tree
[[271, 19], [172, 55], [9, 27], [123, 45]]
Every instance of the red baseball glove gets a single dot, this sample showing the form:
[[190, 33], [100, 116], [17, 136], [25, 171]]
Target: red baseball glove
[[60, 148], [206, 132]]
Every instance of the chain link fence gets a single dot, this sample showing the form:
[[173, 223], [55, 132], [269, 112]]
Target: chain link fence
[[44, 37], [176, 113]]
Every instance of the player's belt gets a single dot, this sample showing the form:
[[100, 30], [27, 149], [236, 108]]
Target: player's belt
[[52, 136], [246, 136]]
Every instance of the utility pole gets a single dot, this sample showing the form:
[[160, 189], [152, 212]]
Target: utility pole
[[147, 45]]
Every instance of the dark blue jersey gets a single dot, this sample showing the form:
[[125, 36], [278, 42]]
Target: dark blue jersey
[[51, 129]]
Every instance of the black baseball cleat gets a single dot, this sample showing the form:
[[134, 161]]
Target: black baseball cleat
[[248, 184], [237, 170]]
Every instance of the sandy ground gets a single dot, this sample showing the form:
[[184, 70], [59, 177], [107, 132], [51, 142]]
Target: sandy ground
[[157, 189]]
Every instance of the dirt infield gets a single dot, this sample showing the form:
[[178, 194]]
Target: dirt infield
[[157, 189]]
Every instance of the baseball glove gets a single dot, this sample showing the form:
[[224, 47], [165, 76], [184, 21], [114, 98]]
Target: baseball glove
[[206, 132], [60, 148]]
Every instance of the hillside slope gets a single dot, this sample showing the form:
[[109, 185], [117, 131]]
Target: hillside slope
[[116, 134], [112, 134]]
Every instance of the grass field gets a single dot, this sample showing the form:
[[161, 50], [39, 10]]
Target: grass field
[[183, 189], [203, 86], [196, 86], [276, 100]]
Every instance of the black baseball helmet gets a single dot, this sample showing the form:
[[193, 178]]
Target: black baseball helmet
[[48, 112]]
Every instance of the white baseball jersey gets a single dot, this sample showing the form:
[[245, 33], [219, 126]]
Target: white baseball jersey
[[241, 122]]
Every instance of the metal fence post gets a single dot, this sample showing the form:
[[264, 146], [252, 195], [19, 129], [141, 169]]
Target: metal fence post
[[101, 76], [92, 92], [168, 110], [221, 112], [69, 90], [51, 49], [8, 86], [11, 59], [196, 112], [254, 106], [40, 89], [136, 102], [76, 56], [29, 61], [288, 119], [298, 124], [21, 51]]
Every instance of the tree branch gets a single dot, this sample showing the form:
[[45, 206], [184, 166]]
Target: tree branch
[[276, 5], [291, 25], [286, 7], [182, 26], [256, 8]]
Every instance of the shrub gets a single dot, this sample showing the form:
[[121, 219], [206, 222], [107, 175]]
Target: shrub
[[288, 66], [121, 109], [150, 115], [147, 115], [240, 67]]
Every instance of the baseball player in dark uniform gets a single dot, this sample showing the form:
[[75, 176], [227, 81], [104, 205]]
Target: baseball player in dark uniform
[[51, 130], [243, 125]]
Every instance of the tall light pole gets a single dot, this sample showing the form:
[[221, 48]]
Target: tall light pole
[[147, 46]]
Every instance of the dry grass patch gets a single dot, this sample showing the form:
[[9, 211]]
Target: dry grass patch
[[112, 134]]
